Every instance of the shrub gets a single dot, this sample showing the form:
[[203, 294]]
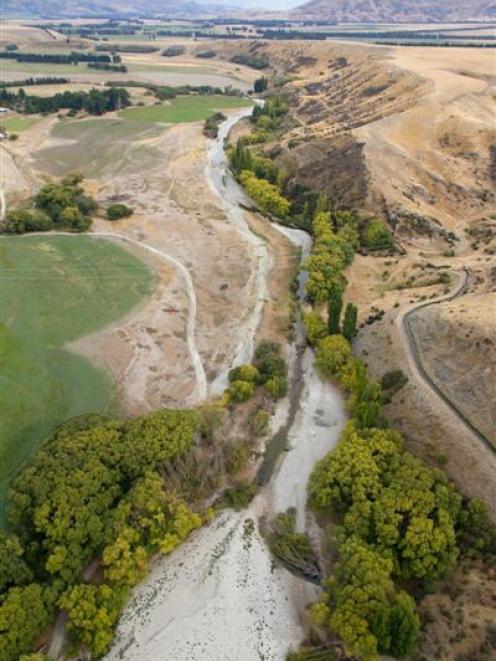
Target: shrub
[[315, 327], [240, 496], [240, 391], [27, 220], [393, 381], [173, 51], [253, 61], [277, 386], [244, 373], [117, 211], [237, 454], [268, 361], [205, 54], [376, 235], [259, 422]]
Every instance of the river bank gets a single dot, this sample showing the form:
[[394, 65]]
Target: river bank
[[221, 595]]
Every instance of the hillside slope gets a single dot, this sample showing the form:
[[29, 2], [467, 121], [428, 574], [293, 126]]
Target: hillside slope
[[396, 11], [59, 8]]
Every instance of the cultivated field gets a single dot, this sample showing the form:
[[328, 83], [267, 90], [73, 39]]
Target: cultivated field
[[183, 109], [54, 290], [98, 147]]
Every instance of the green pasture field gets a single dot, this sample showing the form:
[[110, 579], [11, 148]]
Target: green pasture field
[[18, 124], [184, 109], [54, 290], [153, 67], [99, 147], [44, 68]]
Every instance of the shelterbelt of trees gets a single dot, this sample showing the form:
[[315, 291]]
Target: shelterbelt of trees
[[398, 525], [95, 102], [54, 58]]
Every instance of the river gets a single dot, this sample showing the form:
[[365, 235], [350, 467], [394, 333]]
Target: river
[[220, 596]]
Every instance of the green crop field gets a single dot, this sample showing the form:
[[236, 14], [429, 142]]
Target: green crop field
[[18, 124], [184, 109], [54, 290]]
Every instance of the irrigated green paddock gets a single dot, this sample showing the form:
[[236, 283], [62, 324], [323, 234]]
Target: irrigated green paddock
[[17, 124], [99, 147], [191, 108], [54, 290]]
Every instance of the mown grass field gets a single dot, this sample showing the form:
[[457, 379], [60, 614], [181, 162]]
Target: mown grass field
[[54, 290], [184, 109], [99, 147], [18, 124]]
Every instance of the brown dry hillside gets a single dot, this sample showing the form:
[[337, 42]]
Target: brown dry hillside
[[409, 134], [396, 11], [404, 131]]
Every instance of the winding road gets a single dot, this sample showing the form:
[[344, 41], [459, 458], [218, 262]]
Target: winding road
[[411, 345]]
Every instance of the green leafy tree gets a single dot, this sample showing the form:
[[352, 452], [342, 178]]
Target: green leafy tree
[[277, 386], [350, 321], [315, 327], [240, 158], [404, 626], [23, 615], [244, 373], [13, 568], [377, 236], [333, 353], [269, 362], [93, 612], [267, 195], [334, 307], [260, 85], [240, 391]]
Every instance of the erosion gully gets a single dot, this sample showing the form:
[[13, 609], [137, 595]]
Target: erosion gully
[[221, 596]]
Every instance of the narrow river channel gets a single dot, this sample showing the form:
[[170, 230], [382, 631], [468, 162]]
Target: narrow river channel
[[221, 596]]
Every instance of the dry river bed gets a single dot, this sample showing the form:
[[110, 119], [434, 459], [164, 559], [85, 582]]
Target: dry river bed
[[221, 595]]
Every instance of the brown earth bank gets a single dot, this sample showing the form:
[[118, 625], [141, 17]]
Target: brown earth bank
[[459, 621]]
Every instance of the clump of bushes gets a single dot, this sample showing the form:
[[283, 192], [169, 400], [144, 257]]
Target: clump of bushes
[[392, 382], [61, 205], [205, 54], [269, 370], [211, 126], [376, 235], [173, 51], [239, 497], [253, 61], [118, 211]]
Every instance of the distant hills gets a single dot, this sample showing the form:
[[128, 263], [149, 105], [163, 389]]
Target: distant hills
[[104, 8], [342, 11], [396, 11]]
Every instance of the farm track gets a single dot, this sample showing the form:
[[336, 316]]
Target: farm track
[[200, 375], [414, 352]]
